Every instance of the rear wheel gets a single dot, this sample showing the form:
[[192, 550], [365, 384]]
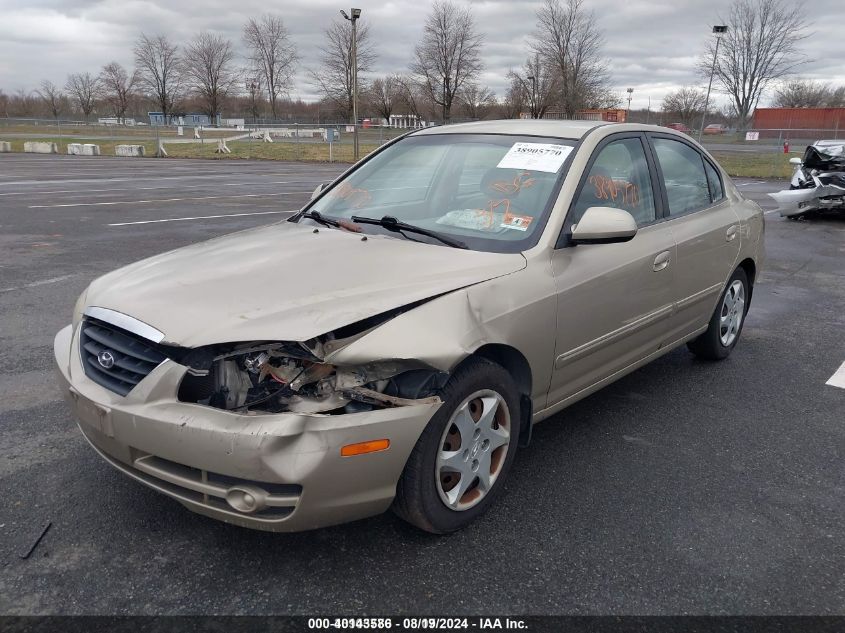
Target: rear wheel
[[457, 466], [725, 326]]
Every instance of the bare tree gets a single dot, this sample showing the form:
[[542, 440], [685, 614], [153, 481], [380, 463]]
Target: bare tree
[[805, 94], [602, 98], [334, 75], [209, 70], [569, 40], [514, 102], [23, 103], [4, 104], [116, 86], [449, 54], [760, 47], [539, 84], [160, 71], [272, 55], [254, 90], [414, 98], [83, 89], [476, 101], [836, 98], [385, 94], [685, 104], [52, 97]]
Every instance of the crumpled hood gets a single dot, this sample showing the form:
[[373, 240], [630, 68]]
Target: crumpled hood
[[285, 282]]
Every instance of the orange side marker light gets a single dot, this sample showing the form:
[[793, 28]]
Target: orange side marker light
[[362, 448]]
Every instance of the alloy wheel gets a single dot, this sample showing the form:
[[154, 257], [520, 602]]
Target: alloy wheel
[[732, 313]]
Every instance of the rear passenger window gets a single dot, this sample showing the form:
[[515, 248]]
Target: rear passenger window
[[714, 181], [619, 178], [683, 172]]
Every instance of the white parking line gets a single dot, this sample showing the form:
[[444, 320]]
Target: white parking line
[[770, 212], [838, 378], [42, 282], [200, 217], [753, 182], [108, 204]]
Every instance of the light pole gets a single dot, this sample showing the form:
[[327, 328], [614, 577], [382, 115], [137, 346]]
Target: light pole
[[630, 92], [534, 108], [252, 86], [356, 13], [718, 30]]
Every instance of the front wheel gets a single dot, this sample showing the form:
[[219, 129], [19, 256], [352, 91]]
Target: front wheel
[[725, 326], [457, 466]]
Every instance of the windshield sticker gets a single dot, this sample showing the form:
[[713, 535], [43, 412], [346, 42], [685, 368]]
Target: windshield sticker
[[537, 156], [518, 222]]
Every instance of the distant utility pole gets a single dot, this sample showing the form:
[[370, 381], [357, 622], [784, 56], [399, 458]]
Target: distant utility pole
[[718, 30], [356, 13], [630, 92]]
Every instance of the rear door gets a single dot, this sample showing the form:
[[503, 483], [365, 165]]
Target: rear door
[[705, 229]]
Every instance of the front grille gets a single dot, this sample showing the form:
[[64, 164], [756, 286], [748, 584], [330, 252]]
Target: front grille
[[126, 358]]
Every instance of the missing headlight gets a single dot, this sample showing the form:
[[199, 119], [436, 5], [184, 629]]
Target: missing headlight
[[269, 381]]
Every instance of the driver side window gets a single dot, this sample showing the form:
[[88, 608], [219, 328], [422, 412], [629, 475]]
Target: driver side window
[[618, 178]]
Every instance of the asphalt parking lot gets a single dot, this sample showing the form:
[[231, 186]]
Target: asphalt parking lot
[[685, 488]]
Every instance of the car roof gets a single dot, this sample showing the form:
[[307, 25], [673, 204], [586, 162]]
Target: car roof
[[527, 127]]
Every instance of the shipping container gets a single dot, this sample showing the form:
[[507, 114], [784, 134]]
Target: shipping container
[[805, 123]]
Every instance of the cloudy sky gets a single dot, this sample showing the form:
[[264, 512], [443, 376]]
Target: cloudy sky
[[652, 44]]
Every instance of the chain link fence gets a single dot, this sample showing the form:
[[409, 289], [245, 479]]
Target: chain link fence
[[756, 153], [272, 141], [764, 153]]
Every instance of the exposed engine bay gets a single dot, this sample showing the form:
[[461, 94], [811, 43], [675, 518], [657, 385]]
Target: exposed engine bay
[[279, 378]]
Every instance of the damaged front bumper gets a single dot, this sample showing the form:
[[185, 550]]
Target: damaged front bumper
[[275, 472]]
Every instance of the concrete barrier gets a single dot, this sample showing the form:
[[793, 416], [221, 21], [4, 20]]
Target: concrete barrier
[[83, 149], [5, 147], [38, 147], [129, 150]]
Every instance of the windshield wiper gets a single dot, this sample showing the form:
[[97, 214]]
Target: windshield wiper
[[392, 224], [338, 224]]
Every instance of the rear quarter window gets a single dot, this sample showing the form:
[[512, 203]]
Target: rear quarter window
[[716, 190]]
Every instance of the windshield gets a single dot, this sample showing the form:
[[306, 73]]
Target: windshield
[[492, 192]]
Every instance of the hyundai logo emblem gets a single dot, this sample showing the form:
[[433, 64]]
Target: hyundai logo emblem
[[106, 359]]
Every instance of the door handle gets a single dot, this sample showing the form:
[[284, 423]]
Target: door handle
[[661, 261], [731, 233]]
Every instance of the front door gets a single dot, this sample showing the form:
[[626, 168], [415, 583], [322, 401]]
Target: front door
[[614, 300]]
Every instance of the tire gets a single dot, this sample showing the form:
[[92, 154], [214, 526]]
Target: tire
[[446, 459], [725, 325]]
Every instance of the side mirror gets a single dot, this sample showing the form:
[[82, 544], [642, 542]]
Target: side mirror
[[794, 161], [318, 189], [604, 225]]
